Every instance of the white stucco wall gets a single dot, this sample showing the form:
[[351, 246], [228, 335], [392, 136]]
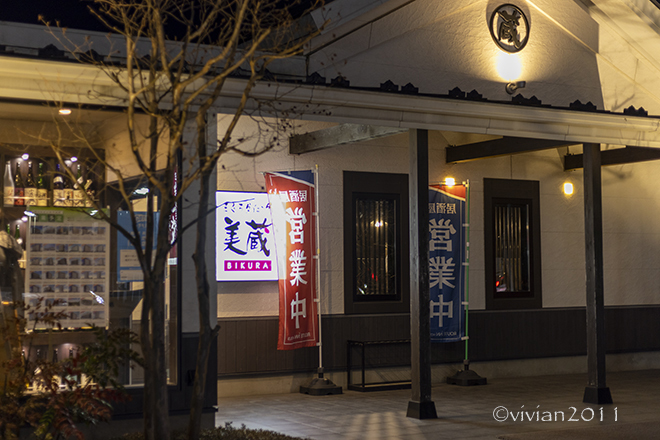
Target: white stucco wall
[[631, 203], [599, 51], [237, 173], [575, 51]]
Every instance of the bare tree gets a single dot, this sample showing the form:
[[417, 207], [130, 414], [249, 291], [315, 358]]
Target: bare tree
[[175, 60]]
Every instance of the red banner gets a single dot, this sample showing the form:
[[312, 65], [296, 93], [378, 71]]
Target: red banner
[[291, 198]]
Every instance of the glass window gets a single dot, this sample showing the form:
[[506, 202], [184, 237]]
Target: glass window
[[512, 244], [127, 287], [512, 248], [376, 278], [375, 246], [73, 263]]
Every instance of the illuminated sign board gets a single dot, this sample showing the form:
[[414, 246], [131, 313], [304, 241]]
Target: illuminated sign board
[[245, 244]]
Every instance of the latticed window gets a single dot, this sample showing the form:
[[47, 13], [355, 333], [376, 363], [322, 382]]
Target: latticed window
[[512, 248], [376, 250], [512, 244], [375, 246]]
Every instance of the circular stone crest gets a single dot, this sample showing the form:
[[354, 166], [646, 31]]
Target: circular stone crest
[[509, 28]]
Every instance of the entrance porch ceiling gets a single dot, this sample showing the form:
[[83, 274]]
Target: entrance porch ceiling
[[44, 81], [346, 106]]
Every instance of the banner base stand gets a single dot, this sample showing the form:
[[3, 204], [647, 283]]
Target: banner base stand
[[319, 386], [466, 377]]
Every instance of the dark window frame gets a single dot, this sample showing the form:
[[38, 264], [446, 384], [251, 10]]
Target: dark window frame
[[376, 185], [498, 191]]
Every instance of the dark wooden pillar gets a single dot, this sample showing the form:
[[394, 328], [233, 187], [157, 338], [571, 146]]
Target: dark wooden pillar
[[420, 406], [597, 391]]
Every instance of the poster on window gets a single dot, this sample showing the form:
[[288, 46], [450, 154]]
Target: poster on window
[[128, 265], [446, 255], [245, 243], [67, 267], [291, 196]]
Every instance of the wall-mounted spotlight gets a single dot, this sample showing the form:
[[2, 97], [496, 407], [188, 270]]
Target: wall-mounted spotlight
[[64, 111], [513, 86], [568, 188], [450, 181]]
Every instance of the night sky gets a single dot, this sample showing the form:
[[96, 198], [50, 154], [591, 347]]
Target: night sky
[[70, 13], [73, 13]]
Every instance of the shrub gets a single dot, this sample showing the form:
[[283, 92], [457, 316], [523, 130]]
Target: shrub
[[52, 396], [228, 432]]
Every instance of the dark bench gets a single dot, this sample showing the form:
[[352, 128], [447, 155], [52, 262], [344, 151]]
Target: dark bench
[[378, 354]]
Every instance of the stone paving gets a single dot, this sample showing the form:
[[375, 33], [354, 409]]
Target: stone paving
[[532, 407]]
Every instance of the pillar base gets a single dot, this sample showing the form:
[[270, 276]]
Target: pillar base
[[597, 395], [421, 410]]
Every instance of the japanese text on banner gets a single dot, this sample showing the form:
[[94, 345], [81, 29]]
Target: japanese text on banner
[[446, 253], [292, 203]]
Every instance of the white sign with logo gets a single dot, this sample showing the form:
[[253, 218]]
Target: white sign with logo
[[245, 244]]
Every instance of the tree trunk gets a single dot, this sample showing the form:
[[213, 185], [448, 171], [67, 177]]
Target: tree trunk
[[206, 333], [147, 353], [152, 338], [161, 423]]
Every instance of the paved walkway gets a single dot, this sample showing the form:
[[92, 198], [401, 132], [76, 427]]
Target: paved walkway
[[464, 412]]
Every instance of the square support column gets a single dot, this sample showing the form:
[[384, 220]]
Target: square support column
[[420, 406], [597, 391]]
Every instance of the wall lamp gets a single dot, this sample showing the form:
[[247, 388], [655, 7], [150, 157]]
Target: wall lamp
[[513, 86]]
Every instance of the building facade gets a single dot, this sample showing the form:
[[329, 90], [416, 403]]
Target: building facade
[[507, 94], [390, 68]]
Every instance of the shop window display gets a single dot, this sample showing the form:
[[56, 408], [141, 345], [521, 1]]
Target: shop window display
[[68, 255]]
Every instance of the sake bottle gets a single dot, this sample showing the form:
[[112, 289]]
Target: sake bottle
[[19, 186], [68, 191], [30, 187], [90, 188], [78, 190], [42, 191], [58, 188], [17, 234], [8, 186]]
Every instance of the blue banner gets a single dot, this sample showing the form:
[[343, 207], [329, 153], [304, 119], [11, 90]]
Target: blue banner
[[446, 256]]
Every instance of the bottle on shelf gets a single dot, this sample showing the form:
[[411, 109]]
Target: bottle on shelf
[[90, 188], [8, 228], [58, 188], [42, 191], [8, 187], [19, 240], [30, 187], [19, 186], [17, 233], [68, 191], [78, 189]]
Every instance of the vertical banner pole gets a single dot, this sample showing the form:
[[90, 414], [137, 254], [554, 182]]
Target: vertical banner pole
[[318, 266], [467, 267], [319, 385], [467, 377]]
